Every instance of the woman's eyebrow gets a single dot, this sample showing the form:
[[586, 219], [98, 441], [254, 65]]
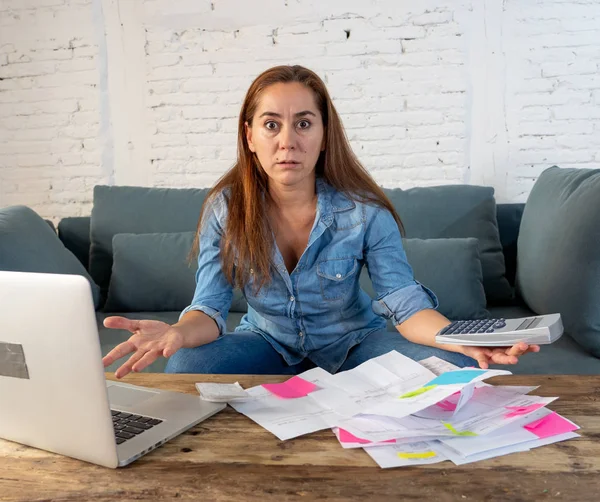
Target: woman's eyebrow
[[299, 114]]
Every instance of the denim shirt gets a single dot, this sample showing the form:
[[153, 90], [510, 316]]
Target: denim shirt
[[318, 311]]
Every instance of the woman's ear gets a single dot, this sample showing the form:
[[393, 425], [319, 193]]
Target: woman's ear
[[248, 131]]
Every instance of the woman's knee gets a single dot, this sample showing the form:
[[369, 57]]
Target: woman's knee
[[382, 342], [241, 352], [181, 362]]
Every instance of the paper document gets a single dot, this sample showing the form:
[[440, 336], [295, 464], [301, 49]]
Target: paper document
[[437, 366], [485, 411], [403, 455], [339, 396], [285, 418], [402, 412], [497, 452]]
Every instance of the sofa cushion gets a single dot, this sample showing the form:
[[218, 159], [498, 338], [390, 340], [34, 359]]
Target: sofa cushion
[[74, 233], [119, 209], [559, 251], [451, 268], [457, 211], [28, 244], [151, 273], [509, 221]]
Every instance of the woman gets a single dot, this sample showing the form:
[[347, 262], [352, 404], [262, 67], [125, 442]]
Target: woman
[[292, 224]]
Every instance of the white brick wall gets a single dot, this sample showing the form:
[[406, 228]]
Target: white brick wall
[[553, 80], [50, 153], [147, 92]]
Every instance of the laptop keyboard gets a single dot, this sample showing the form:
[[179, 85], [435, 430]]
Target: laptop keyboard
[[127, 425]]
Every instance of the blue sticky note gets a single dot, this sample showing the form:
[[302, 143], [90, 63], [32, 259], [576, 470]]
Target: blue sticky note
[[458, 376]]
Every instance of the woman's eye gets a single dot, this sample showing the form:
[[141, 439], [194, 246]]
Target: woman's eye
[[271, 125], [304, 124]]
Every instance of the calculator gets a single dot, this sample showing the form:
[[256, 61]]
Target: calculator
[[539, 330]]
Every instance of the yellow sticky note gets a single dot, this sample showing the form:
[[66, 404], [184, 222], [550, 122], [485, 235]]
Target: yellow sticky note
[[425, 454], [454, 431], [417, 392]]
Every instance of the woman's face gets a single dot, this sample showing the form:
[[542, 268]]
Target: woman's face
[[287, 133]]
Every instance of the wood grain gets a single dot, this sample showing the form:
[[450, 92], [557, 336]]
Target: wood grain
[[229, 457]]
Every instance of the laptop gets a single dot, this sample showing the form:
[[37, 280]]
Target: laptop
[[53, 391]]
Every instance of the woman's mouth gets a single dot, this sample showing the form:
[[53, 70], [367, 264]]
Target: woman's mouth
[[288, 163]]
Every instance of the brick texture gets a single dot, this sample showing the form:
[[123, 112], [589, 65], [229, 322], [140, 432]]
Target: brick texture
[[147, 92]]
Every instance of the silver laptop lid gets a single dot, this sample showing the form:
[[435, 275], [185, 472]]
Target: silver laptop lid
[[52, 388]]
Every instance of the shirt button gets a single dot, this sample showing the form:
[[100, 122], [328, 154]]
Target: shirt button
[[251, 270], [339, 276], [300, 334], [292, 298]]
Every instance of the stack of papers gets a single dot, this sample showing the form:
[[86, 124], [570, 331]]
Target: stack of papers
[[403, 412]]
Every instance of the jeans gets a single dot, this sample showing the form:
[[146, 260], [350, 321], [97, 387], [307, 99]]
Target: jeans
[[245, 352]]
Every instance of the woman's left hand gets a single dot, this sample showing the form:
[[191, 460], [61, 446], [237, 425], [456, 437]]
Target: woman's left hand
[[499, 355]]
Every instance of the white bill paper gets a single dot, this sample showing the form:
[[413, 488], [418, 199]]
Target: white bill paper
[[405, 455]]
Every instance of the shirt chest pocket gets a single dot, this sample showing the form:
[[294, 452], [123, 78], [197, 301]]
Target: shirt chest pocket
[[336, 277]]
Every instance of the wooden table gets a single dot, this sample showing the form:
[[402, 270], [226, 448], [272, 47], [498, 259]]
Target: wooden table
[[229, 457]]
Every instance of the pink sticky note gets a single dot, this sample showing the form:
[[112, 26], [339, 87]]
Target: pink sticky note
[[446, 405], [348, 437], [550, 425], [301, 385], [522, 410], [282, 390], [292, 388]]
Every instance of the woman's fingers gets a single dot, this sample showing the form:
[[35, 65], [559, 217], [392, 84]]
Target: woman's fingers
[[119, 322], [148, 345], [483, 363], [126, 368], [118, 352], [518, 349], [502, 356], [480, 355], [148, 358]]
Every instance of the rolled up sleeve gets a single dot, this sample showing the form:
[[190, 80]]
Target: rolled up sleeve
[[213, 292], [399, 295], [214, 314]]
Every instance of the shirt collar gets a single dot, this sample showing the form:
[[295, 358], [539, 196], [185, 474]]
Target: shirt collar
[[330, 201]]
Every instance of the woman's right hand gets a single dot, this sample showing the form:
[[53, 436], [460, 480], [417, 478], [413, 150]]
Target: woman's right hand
[[150, 340]]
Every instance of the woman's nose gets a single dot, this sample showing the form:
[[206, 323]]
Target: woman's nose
[[287, 138]]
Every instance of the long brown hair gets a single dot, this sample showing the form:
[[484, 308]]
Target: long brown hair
[[247, 244]]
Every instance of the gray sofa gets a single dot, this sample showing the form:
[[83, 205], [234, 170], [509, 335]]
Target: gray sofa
[[460, 243]]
